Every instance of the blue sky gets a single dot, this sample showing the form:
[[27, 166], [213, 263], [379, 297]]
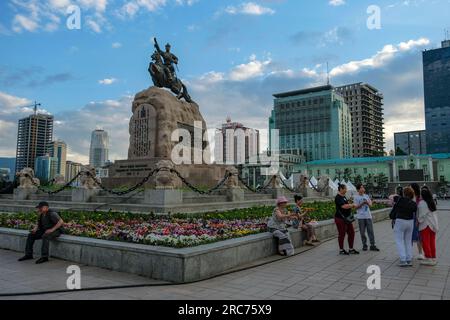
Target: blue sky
[[233, 55]]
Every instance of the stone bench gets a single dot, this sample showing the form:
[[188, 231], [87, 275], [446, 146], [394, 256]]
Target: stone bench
[[168, 264]]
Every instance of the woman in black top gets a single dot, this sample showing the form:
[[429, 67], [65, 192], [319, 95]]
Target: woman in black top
[[404, 213], [343, 211]]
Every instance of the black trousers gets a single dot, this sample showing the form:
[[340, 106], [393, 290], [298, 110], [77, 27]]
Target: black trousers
[[40, 234]]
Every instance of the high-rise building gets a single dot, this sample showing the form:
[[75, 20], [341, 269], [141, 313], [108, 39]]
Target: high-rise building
[[35, 133], [366, 107], [410, 143], [45, 168], [58, 149], [315, 123], [72, 169], [9, 163], [98, 155], [436, 74], [236, 144]]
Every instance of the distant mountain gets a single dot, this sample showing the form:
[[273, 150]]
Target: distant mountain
[[9, 163]]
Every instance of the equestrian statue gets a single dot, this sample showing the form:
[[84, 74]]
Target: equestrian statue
[[163, 73]]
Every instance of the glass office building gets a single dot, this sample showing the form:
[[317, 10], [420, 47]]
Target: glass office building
[[410, 143], [46, 168], [436, 70], [315, 123]]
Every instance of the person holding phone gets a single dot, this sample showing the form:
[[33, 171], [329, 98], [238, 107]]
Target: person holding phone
[[364, 216], [344, 220]]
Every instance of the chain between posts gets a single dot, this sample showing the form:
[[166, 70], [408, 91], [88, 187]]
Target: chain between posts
[[315, 187], [40, 188], [125, 192], [227, 176]]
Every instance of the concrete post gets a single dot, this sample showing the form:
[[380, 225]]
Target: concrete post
[[277, 192], [235, 194], [163, 197], [83, 194]]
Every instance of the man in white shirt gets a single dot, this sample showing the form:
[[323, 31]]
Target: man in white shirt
[[364, 216]]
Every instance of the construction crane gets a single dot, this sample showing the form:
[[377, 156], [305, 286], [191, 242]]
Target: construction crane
[[34, 106]]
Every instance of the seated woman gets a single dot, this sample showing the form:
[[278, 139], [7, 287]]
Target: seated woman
[[304, 222], [278, 227]]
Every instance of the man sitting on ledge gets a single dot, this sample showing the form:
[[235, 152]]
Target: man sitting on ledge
[[48, 228]]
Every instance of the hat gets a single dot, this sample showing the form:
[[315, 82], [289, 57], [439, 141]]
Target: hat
[[168, 45], [281, 200], [42, 204]]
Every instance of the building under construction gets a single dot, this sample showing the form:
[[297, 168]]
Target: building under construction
[[34, 136]]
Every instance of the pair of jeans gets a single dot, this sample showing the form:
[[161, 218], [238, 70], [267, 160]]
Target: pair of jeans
[[366, 224], [345, 228], [428, 237], [40, 234], [403, 231]]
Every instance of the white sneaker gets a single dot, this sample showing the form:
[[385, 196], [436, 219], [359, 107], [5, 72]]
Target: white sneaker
[[427, 262], [420, 257]]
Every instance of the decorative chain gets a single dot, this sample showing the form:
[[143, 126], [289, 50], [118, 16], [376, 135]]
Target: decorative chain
[[287, 187], [197, 190], [227, 176], [40, 188], [315, 187], [257, 190], [125, 192]]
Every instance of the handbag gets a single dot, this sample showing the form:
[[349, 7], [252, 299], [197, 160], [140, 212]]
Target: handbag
[[348, 219], [393, 213]]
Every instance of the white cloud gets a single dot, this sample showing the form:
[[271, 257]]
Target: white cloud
[[380, 58], [22, 23], [336, 3], [249, 8], [107, 81], [116, 45], [9, 102], [130, 8]]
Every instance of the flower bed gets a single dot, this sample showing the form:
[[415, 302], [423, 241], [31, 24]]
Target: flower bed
[[173, 231]]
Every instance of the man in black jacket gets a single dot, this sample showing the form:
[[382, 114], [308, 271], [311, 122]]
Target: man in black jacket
[[48, 228]]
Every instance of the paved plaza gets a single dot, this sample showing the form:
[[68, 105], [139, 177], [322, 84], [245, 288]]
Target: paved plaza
[[319, 273]]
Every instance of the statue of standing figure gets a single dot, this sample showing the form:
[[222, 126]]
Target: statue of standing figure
[[163, 73]]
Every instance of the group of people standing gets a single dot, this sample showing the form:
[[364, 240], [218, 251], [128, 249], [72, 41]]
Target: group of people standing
[[414, 220]]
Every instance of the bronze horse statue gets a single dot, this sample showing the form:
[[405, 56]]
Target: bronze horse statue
[[159, 72]]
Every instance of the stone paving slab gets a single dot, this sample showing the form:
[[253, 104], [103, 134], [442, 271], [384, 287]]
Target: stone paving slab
[[315, 274]]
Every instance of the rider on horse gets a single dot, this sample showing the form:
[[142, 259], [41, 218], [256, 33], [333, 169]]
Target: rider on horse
[[169, 59]]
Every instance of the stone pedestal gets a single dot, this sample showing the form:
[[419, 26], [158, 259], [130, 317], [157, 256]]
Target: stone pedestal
[[235, 195], [23, 193], [83, 195], [163, 197]]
